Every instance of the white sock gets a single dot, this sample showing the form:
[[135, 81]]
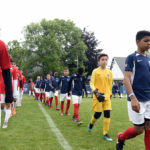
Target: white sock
[[7, 115]]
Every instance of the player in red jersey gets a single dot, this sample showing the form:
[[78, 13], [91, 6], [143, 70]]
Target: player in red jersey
[[23, 80], [5, 80], [31, 87], [14, 86]]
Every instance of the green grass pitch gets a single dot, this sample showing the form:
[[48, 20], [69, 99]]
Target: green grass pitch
[[29, 130]]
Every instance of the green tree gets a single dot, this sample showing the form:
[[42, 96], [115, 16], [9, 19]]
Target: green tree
[[17, 52], [52, 45], [92, 51]]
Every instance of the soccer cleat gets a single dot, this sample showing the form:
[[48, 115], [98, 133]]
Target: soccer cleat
[[13, 111], [79, 122], [74, 118], [57, 108], [106, 137], [62, 114], [90, 126], [5, 125], [67, 114], [119, 144]]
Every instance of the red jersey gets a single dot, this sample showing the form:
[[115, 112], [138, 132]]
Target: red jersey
[[19, 77], [4, 57], [23, 80], [14, 80], [32, 86]]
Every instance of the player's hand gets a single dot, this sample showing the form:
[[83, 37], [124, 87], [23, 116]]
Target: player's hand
[[135, 104]]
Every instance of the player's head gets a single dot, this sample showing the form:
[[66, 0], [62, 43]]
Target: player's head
[[21, 70], [13, 63], [38, 78], [143, 40], [48, 76], [31, 80], [51, 73], [80, 71], [66, 72], [56, 74], [102, 60]]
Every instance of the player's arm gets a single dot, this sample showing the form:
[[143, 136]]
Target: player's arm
[[84, 87], [127, 77], [111, 82], [92, 82], [70, 85], [5, 66]]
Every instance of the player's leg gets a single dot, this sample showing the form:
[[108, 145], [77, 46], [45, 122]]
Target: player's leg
[[7, 115], [68, 105], [94, 118], [106, 124], [137, 129], [147, 126], [62, 100], [51, 98], [56, 100], [47, 94], [37, 93], [14, 107]]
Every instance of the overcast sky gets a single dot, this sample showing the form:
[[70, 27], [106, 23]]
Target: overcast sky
[[115, 22]]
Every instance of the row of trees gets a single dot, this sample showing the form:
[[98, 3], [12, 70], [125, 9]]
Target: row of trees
[[55, 44]]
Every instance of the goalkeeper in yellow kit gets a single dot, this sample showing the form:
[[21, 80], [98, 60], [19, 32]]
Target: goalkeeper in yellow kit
[[101, 85]]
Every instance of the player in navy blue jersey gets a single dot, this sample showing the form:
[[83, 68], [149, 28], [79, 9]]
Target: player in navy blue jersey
[[63, 83], [49, 89], [77, 84], [37, 88], [137, 83], [55, 93]]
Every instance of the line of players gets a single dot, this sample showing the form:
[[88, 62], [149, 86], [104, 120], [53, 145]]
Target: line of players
[[49, 88], [11, 85]]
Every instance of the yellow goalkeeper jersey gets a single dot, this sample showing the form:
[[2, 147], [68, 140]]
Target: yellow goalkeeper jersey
[[102, 80]]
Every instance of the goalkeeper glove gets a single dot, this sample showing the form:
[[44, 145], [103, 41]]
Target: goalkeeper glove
[[100, 96]]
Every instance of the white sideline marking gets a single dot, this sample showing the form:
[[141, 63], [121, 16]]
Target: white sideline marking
[[62, 141]]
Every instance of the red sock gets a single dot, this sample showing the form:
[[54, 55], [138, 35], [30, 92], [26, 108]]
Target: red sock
[[128, 134], [68, 105], [62, 106], [47, 101], [147, 139], [44, 97], [56, 101], [76, 111], [78, 105], [51, 99], [37, 95], [41, 96]]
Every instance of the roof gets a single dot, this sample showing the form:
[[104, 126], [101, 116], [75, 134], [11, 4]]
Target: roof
[[121, 62], [117, 67]]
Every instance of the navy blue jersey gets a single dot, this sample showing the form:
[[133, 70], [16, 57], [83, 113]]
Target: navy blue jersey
[[64, 82], [37, 84], [42, 85], [139, 65], [56, 82], [78, 84], [49, 85]]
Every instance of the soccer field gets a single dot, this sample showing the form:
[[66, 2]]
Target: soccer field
[[29, 129]]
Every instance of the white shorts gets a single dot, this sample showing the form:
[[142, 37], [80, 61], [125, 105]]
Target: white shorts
[[64, 97], [37, 90], [139, 118], [42, 91], [76, 99], [2, 98]]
